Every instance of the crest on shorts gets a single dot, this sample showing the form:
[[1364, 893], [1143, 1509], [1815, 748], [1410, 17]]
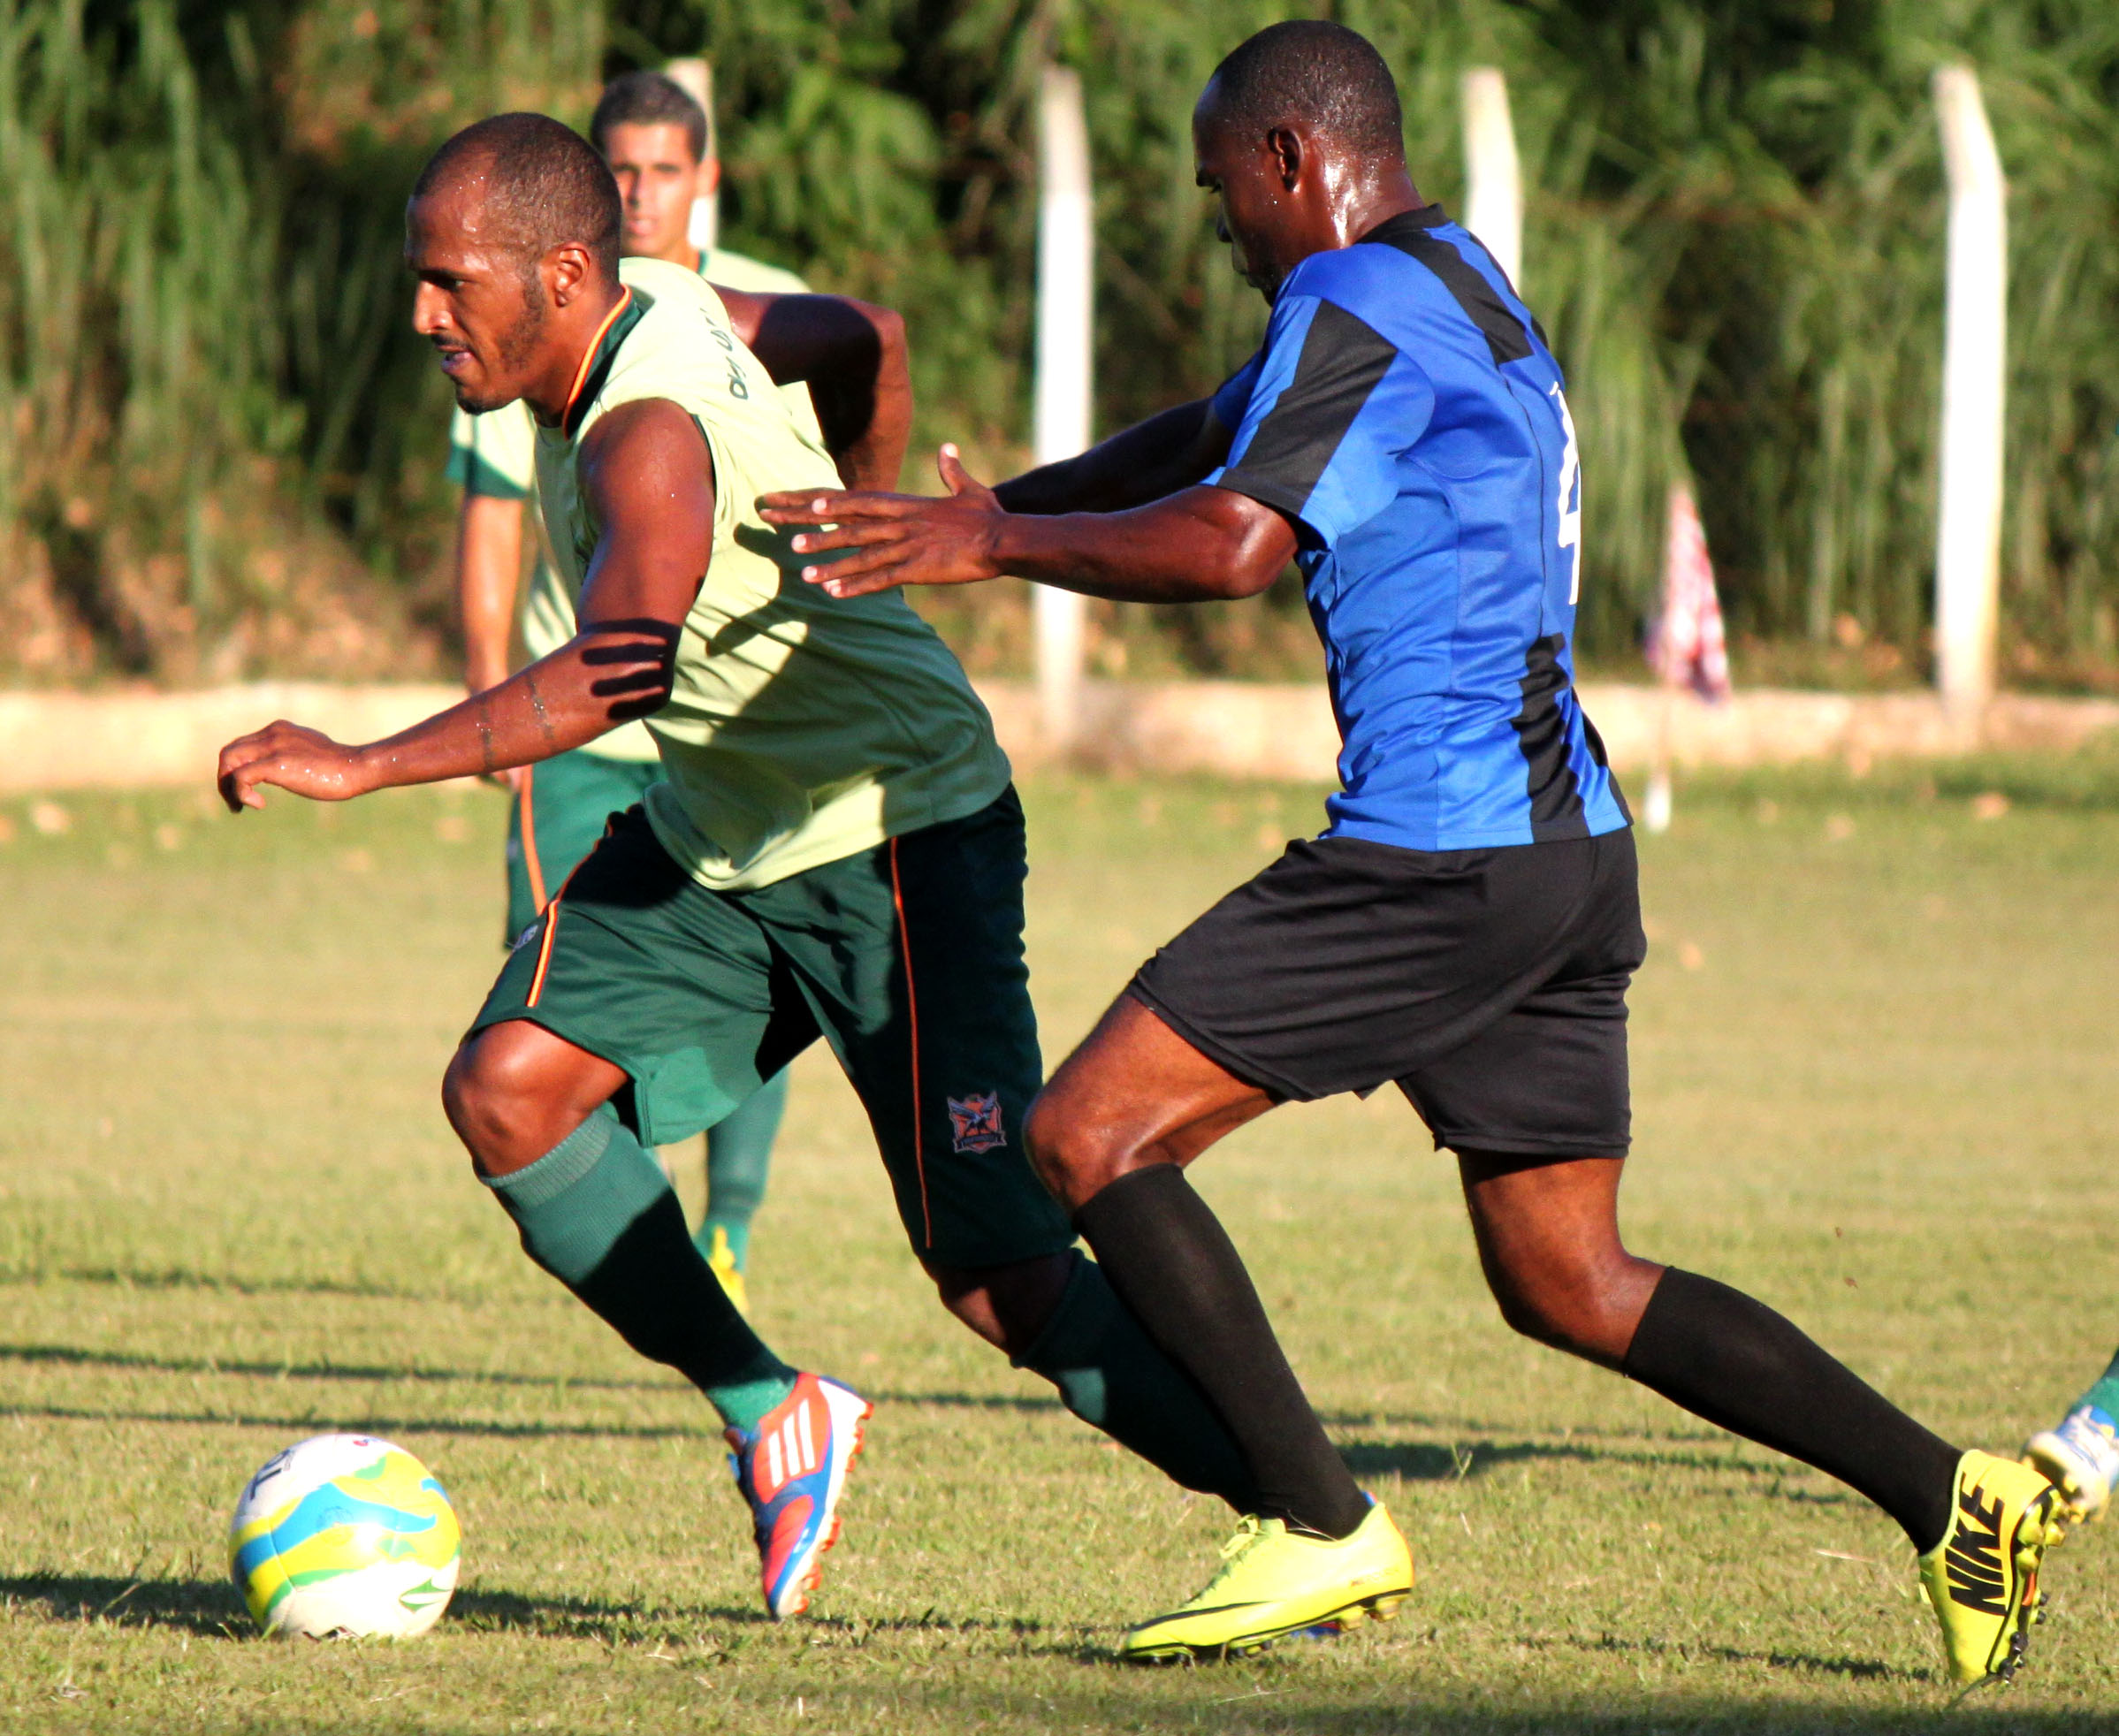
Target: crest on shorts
[[975, 1122]]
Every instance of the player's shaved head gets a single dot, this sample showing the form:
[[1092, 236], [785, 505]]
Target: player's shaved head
[[1309, 73], [538, 186], [1299, 138], [513, 233]]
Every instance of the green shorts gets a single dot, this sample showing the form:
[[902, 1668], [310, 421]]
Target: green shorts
[[561, 808], [906, 958]]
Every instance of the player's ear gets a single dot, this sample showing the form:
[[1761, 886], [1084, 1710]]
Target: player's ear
[[566, 271], [1288, 155]]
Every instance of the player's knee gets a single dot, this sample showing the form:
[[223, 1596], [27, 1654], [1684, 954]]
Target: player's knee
[[486, 1094], [464, 1098], [1073, 1157], [1536, 1315], [1587, 1310]]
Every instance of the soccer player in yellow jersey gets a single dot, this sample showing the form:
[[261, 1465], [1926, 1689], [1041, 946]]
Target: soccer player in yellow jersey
[[655, 138], [834, 850]]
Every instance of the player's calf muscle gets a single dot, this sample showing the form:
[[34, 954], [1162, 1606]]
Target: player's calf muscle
[[1007, 1306], [1549, 1245]]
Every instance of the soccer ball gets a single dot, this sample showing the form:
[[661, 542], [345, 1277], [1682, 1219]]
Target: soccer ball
[[344, 1534]]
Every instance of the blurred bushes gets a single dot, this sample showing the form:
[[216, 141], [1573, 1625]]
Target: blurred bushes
[[223, 443], [221, 437]]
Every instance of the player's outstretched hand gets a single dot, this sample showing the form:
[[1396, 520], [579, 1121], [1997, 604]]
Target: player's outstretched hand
[[304, 761], [895, 539]]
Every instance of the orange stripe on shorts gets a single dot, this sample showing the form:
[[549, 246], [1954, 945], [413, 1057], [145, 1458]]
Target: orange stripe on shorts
[[552, 927], [905, 946], [526, 809], [551, 914]]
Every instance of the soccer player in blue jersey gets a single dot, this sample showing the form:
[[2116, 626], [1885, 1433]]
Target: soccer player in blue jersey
[[1468, 924]]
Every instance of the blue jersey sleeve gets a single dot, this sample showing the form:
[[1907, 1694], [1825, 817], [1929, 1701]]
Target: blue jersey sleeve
[[1333, 405]]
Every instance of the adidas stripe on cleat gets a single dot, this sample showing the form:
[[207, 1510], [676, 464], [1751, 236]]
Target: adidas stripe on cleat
[[791, 1469], [2080, 1459], [1981, 1580], [1275, 1583]]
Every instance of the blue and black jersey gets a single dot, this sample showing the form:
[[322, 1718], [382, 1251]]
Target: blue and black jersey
[[1408, 418]]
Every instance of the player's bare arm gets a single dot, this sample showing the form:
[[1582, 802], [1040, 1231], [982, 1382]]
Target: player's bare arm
[[853, 357], [1168, 451], [488, 559], [650, 479], [1197, 546]]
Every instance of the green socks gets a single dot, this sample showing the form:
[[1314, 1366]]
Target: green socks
[[739, 1152], [596, 1212], [1111, 1375], [2105, 1395]]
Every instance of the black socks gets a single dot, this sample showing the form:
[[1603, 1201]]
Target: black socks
[[1741, 1367], [1173, 1265], [1710, 1349], [1111, 1376]]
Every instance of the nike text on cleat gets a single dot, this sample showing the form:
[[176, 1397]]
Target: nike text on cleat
[[1982, 1578], [1275, 1583], [2081, 1458], [791, 1468]]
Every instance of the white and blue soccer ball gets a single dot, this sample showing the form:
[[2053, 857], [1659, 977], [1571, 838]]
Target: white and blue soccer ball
[[345, 1534]]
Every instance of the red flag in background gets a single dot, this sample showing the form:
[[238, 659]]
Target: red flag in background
[[1686, 647]]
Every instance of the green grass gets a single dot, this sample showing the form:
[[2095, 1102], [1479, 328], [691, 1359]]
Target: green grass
[[1874, 1071]]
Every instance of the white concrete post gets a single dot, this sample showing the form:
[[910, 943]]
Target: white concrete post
[[696, 78], [1065, 359], [1493, 179], [1975, 365]]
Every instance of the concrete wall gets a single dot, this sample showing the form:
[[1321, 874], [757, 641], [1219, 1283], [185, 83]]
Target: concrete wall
[[136, 738]]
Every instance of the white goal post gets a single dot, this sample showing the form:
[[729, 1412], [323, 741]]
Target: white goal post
[[1066, 324], [1493, 177], [1975, 381]]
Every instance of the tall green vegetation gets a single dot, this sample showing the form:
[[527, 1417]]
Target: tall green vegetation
[[211, 410], [1734, 237]]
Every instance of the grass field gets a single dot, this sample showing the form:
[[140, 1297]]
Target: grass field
[[1874, 1068]]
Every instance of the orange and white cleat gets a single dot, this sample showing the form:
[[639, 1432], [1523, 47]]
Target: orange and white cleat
[[792, 1468]]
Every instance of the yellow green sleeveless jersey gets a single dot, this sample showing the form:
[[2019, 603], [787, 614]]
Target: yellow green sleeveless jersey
[[801, 728], [496, 454]]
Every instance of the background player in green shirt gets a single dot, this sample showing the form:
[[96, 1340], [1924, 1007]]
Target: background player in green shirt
[[656, 139], [834, 850]]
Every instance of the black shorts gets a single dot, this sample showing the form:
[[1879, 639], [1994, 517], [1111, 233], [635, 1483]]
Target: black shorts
[[1489, 984]]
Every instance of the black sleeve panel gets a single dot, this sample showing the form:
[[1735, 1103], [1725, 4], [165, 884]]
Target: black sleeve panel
[[1343, 359]]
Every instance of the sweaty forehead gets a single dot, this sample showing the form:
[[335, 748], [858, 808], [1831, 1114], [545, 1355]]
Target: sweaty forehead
[[1209, 130], [461, 216], [1206, 113]]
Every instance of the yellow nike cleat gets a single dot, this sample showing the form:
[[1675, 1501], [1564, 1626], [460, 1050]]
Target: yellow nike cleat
[[1981, 1580], [1275, 1583], [722, 1259]]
